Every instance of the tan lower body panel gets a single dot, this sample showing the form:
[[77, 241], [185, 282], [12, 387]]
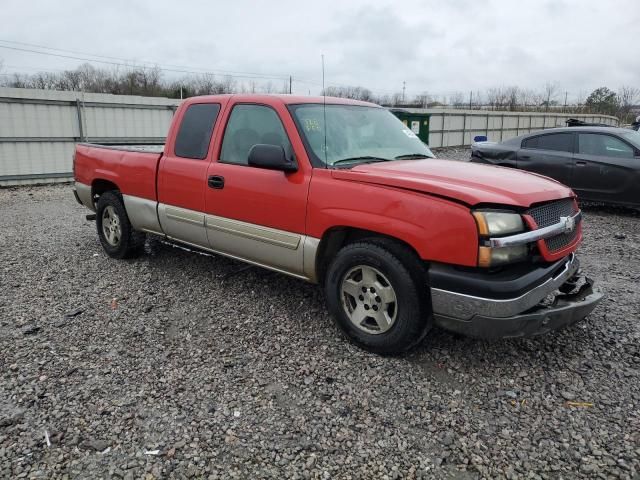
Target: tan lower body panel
[[183, 224], [267, 246], [278, 250], [84, 194], [142, 214]]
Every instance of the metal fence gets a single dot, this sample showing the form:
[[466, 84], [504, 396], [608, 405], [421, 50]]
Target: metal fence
[[454, 128], [39, 129]]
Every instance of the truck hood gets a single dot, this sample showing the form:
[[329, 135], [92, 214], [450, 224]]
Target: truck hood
[[466, 182]]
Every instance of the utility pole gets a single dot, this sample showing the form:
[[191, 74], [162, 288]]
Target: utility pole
[[404, 86], [470, 99], [290, 82], [565, 101]]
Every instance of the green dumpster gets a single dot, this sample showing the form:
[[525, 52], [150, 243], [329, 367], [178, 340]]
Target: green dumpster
[[418, 123]]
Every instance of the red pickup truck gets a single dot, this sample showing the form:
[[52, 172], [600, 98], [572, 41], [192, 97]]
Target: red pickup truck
[[343, 194]]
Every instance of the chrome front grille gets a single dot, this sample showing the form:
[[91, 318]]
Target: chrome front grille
[[549, 214]]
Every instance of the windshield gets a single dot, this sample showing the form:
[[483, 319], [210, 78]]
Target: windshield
[[355, 134], [633, 137]]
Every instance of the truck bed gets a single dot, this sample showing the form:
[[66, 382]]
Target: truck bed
[[132, 168]]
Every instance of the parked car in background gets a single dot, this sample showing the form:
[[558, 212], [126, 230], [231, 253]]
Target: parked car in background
[[601, 164]]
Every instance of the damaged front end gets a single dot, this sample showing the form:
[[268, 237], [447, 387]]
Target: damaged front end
[[565, 297]]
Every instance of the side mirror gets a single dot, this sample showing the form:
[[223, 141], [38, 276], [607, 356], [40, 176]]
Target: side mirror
[[271, 157]]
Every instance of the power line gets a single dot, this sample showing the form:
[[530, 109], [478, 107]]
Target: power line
[[148, 62], [39, 69], [175, 70], [120, 61]]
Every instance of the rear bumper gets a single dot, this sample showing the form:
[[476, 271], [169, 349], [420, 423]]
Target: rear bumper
[[562, 298], [83, 195], [75, 194]]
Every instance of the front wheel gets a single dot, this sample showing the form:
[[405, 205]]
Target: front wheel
[[377, 292], [117, 236]]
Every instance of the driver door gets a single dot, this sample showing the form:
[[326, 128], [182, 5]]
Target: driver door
[[255, 214]]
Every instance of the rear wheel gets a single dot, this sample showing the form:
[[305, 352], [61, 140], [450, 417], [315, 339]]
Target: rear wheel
[[117, 236], [377, 292]]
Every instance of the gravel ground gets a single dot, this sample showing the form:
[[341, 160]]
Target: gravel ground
[[183, 365], [453, 153]]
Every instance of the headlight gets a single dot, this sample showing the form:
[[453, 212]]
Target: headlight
[[499, 224]]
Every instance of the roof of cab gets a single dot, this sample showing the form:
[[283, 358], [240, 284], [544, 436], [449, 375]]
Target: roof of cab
[[285, 99]]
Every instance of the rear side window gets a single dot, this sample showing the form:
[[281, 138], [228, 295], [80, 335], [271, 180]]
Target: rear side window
[[561, 142], [195, 131], [603, 145]]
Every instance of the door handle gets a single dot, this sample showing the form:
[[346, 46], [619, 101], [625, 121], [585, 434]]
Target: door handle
[[216, 181], [580, 163], [525, 157]]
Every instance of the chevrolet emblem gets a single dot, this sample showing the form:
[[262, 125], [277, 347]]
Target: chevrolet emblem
[[569, 224]]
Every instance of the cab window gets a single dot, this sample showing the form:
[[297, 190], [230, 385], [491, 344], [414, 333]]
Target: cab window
[[251, 125], [194, 135]]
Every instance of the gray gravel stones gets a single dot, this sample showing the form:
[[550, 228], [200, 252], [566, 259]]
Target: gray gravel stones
[[453, 153], [232, 373]]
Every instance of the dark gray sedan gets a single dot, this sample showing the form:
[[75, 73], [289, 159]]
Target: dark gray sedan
[[601, 164]]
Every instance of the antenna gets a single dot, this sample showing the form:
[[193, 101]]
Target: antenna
[[324, 111]]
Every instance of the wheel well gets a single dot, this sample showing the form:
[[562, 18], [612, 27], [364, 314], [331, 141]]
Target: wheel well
[[336, 238], [99, 186]]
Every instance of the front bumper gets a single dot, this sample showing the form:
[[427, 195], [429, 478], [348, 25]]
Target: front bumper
[[562, 298]]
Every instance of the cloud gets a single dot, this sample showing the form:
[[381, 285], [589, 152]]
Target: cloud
[[440, 47]]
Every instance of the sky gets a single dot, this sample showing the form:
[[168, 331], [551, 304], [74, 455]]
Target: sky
[[439, 47]]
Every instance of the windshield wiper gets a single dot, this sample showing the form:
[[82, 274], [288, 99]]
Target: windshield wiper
[[412, 156], [363, 159]]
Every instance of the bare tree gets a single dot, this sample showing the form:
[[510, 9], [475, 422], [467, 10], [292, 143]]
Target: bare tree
[[423, 100], [456, 100], [476, 100], [498, 98], [383, 100], [228, 85], [355, 93], [396, 99], [149, 81], [511, 98], [580, 101], [628, 97], [268, 87]]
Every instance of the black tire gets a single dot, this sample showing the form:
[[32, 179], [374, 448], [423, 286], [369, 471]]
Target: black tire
[[129, 243], [403, 271]]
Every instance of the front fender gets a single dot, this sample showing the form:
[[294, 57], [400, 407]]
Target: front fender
[[438, 229]]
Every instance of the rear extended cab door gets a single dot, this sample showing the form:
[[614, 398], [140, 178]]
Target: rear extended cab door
[[607, 169], [256, 214], [549, 154], [182, 174]]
